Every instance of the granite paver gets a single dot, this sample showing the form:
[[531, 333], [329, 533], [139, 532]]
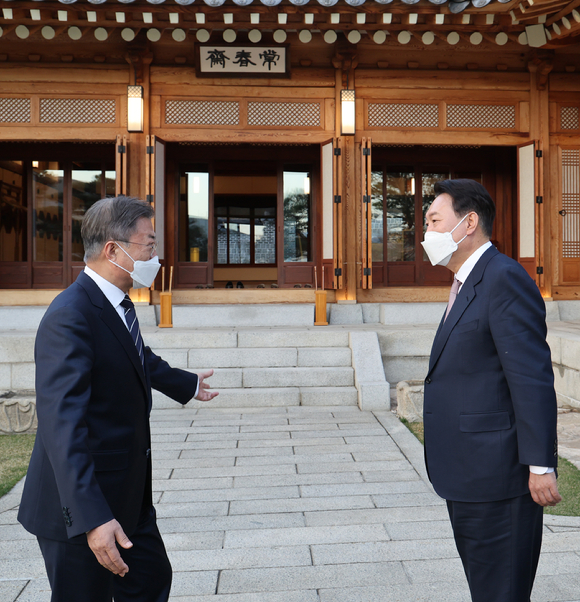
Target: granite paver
[[298, 504]]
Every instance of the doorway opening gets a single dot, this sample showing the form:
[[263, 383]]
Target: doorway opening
[[246, 215], [245, 229]]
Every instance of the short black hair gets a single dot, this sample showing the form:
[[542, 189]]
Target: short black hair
[[467, 196]]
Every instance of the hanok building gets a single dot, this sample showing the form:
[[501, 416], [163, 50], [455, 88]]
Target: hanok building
[[286, 144]]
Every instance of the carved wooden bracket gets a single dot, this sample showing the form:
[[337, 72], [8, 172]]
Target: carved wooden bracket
[[542, 68], [138, 61], [347, 62]]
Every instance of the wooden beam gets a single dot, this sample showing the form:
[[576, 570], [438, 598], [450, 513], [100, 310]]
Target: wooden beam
[[565, 11], [243, 296]]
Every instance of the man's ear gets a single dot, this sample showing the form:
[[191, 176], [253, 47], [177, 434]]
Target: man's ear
[[472, 222], [110, 251]]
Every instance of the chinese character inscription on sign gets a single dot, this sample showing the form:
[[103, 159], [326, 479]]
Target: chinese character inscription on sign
[[242, 60]]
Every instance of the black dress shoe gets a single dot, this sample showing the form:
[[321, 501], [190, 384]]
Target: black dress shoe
[[240, 285], [229, 284]]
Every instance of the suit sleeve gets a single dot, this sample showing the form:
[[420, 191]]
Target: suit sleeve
[[64, 359], [518, 326], [178, 384]]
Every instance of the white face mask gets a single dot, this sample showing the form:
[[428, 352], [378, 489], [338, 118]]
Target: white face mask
[[440, 246], [144, 272]]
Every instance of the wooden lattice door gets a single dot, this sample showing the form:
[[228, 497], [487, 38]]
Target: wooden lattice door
[[570, 216]]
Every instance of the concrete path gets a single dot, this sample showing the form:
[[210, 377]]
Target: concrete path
[[297, 504]]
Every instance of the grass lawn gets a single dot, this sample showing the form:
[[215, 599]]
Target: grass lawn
[[569, 488], [568, 479], [15, 453], [416, 428]]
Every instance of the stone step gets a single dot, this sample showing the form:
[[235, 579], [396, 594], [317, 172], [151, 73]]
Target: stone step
[[20, 377], [17, 376], [278, 315], [270, 357], [243, 358], [16, 346], [310, 337], [303, 377], [220, 316], [223, 378], [270, 397], [29, 317], [328, 396], [21, 318], [411, 313], [228, 378], [221, 338]]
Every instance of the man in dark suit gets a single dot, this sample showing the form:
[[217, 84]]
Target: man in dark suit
[[87, 495], [490, 405]]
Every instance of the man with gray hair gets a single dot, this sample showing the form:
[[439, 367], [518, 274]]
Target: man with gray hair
[[88, 492]]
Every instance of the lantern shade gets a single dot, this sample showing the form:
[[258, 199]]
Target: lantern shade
[[347, 112], [134, 108]]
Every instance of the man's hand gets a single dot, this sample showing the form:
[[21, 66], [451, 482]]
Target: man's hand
[[544, 489], [203, 394], [102, 542]]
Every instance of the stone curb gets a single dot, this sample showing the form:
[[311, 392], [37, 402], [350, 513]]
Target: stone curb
[[409, 445]]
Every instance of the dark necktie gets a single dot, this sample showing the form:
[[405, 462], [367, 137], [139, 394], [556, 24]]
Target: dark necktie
[[452, 296], [133, 325]]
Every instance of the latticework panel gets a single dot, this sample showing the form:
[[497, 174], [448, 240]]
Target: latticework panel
[[481, 116], [571, 203], [15, 110], [77, 110], [202, 112], [569, 118], [284, 114], [382, 115]]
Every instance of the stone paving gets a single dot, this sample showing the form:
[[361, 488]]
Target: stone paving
[[569, 435], [297, 504]]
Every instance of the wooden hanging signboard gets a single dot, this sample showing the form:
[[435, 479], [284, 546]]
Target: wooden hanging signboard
[[242, 61]]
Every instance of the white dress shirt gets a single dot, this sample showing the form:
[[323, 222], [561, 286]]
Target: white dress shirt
[[462, 275], [114, 294]]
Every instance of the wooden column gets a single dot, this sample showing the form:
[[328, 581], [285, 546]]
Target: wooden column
[[540, 130], [137, 147], [138, 141], [345, 63], [350, 220]]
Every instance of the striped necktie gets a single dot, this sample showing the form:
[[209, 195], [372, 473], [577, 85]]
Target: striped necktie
[[133, 325], [452, 296]]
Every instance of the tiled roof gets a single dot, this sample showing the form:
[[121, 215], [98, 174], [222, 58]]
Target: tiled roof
[[531, 22]]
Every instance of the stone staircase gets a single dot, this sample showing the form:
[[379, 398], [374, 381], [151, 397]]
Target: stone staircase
[[269, 355], [264, 366], [273, 355]]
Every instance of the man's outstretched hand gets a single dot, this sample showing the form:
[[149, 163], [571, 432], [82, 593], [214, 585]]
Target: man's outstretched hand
[[102, 541], [204, 394]]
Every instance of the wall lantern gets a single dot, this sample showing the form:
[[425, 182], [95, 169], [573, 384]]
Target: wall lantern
[[134, 108], [347, 113]]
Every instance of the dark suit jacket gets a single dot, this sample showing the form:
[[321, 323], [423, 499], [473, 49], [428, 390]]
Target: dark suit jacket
[[91, 460], [490, 405]]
